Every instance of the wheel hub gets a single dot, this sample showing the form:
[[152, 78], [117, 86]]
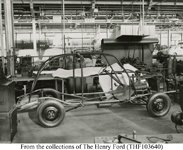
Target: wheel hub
[[51, 113], [159, 105]]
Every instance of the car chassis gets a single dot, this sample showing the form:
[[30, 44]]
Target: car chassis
[[51, 109]]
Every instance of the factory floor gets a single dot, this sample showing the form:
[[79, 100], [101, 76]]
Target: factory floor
[[82, 125]]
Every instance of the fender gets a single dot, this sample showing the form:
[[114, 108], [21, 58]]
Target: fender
[[55, 92]]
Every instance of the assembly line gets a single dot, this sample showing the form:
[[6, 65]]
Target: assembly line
[[88, 76]]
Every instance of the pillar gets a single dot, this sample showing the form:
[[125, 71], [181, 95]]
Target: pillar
[[1, 37], [169, 38], [9, 35], [34, 34]]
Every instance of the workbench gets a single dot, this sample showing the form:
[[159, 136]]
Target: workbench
[[177, 138]]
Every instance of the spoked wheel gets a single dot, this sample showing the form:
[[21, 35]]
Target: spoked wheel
[[158, 104], [50, 113]]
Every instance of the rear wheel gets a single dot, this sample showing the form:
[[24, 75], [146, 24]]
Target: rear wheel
[[50, 113], [158, 104]]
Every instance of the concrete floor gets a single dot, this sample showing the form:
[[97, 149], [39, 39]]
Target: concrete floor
[[84, 124]]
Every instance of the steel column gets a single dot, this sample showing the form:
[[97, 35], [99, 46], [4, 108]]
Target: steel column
[[63, 20], [9, 34], [34, 34], [169, 38], [142, 17], [1, 37], [40, 50]]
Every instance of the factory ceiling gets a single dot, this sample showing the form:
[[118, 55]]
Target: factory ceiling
[[106, 13]]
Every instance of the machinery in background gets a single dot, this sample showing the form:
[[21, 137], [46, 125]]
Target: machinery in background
[[25, 65], [169, 61], [27, 44], [27, 61], [170, 57], [172, 69], [52, 52], [173, 50], [177, 116], [136, 62], [136, 49]]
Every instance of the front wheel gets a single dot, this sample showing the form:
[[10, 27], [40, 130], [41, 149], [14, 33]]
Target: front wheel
[[50, 113], [158, 104]]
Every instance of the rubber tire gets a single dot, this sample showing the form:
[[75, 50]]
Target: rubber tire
[[166, 99], [175, 115], [51, 92], [46, 104]]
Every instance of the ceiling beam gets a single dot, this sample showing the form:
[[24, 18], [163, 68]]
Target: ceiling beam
[[107, 2]]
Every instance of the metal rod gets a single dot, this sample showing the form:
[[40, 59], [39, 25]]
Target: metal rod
[[34, 34], [75, 107], [74, 80], [94, 93], [40, 51], [102, 102], [63, 19], [142, 17], [111, 82], [112, 77], [82, 83], [118, 80], [13, 44], [1, 38], [9, 34], [142, 53]]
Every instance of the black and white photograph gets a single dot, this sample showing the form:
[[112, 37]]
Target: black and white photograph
[[91, 74]]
